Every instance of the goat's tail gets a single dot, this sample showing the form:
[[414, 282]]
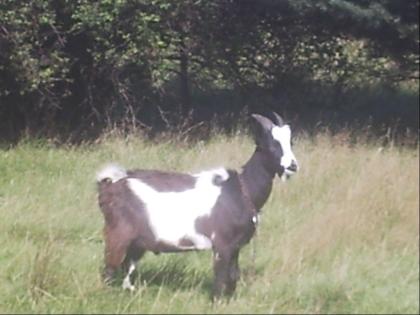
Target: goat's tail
[[111, 173]]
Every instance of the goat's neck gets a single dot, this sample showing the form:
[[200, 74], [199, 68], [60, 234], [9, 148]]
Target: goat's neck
[[258, 179]]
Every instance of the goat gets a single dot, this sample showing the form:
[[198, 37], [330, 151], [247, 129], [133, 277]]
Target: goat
[[161, 211]]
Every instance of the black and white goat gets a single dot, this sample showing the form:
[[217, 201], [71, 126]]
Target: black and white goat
[[160, 211]]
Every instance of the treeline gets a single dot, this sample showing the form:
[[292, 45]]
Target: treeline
[[75, 67]]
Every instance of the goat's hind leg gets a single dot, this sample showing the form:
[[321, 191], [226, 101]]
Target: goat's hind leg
[[129, 265], [127, 282], [113, 260], [115, 252]]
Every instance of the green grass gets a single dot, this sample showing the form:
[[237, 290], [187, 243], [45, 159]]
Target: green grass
[[341, 236]]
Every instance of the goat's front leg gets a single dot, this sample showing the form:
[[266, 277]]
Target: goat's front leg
[[234, 272], [222, 262]]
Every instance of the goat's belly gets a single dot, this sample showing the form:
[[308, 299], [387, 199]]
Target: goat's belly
[[187, 243], [179, 234]]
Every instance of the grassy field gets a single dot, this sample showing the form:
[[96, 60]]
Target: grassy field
[[341, 236]]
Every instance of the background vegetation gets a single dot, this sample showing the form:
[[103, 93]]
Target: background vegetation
[[68, 69]]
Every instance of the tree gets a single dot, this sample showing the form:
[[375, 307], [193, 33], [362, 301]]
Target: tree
[[66, 65]]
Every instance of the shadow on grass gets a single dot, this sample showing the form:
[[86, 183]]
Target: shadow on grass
[[182, 273], [177, 275], [173, 273]]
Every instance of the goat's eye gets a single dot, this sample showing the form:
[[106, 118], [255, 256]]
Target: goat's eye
[[275, 148]]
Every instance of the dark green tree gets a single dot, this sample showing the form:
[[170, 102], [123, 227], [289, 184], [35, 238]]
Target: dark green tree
[[74, 66]]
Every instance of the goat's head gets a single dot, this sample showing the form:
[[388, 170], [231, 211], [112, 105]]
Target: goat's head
[[273, 139]]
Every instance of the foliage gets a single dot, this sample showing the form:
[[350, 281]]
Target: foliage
[[66, 65]]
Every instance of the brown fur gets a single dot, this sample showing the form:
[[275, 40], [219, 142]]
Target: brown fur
[[164, 181]]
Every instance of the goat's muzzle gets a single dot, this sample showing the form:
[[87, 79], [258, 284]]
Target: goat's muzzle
[[286, 173], [293, 168]]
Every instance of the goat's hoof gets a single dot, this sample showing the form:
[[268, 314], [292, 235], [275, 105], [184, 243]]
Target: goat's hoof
[[128, 287]]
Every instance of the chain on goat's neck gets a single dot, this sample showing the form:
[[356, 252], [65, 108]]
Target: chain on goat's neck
[[250, 204], [248, 201]]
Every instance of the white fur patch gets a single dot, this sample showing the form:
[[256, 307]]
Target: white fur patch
[[127, 282], [112, 171], [255, 219], [213, 236], [172, 215], [283, 136], [212, 174]]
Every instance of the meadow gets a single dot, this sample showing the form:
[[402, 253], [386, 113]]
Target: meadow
[[341, 236]]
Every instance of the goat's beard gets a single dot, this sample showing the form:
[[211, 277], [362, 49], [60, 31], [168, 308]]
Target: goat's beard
[[281, 173], [284, 177]]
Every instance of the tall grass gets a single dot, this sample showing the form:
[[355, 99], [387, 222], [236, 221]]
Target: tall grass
[[341, 236]]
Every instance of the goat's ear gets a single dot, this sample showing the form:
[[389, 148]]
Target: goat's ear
[[278, 120], [261, 128]]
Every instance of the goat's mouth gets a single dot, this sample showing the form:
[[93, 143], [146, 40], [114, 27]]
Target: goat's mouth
[[286, 173]]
